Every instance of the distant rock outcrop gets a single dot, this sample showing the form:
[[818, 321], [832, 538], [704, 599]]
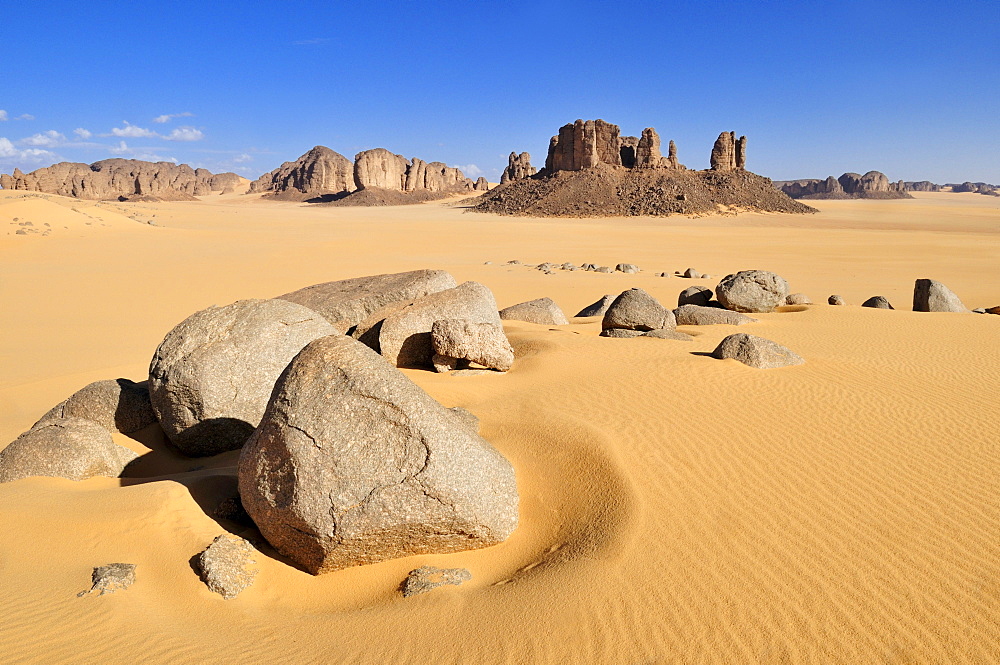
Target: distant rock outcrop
[[319, 171], [872, 185], [921, 186], [975, 187], [122, 179], [518, 167]]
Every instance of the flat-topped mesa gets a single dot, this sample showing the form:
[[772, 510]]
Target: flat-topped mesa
[[729, 153], [319, 171], [122, 179], [872, 185], [518, 167]]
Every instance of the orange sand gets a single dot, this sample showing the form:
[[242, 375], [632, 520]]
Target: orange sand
[[674, 508]]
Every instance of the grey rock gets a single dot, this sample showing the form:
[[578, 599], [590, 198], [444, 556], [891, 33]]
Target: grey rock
[[622, 333], [568, 266], [878, 302], [694, 315], [211, 377], [110, 578], [691, 273], [756, 352], [541, 310], [466, 418], [361, 301], [933, 296], [752, 291], [604, 269], [545, 267], [457, 342], [115, 404], [71, 448], [979, 310], [836, 300], [227, 566], [637, 310], [405, 335], [669, 334], [797, 299], [627, 268], [428, 578], [599, 307], [354, 464], [589, 266], [695, 295], [663, 274]]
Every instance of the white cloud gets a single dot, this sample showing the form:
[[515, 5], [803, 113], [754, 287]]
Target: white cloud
[[7, 148], [32, 156], [25, 116], [3, 115], [470, 170], [242, 159], [120, 149], [132, 131], [82, 133], [49, 139], [144, 154], [185, 134], [166, 117]]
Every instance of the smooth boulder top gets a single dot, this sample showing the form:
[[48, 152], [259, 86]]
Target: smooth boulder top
[[211, 377], [694, 315], [752, 291], [541, 310], [756, 352], [72, 448], [932, 296], [347, 303], [836, 300], [598, 308], [878, 302], [457, 342], [115, 404], [694, 295], [405, 335], [797, 299], [353, 464], [637, 310]]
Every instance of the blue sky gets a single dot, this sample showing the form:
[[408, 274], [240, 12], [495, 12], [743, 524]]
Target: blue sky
[[819, 88]]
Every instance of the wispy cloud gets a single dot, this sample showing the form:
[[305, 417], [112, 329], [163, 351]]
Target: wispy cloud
[[3, 116], [470, 170], [83, 133], [242, 159], [145, 154], [49, 139], [131, 131], [25, 116], [167, 117], [185, 134], [311, 42], [33, 156]]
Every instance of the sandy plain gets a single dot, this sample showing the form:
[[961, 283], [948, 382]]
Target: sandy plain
[[674, 508]]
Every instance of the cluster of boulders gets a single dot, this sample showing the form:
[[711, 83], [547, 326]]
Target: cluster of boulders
[[872, 185], [126, 179], [322, 172], [974, 187], [928, 296], [549, 268]]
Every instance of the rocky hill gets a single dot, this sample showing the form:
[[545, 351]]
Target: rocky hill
[[872, 185], [593, 171], [123, 179], [320, 171]]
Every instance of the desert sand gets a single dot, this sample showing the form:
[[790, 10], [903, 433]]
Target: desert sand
[[674, 508]]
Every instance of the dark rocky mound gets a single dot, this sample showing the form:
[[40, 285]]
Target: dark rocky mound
[[872, 185], [609, 191], [975, 187], [123, 179]]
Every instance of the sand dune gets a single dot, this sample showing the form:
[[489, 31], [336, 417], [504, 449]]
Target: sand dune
[[674, 508]]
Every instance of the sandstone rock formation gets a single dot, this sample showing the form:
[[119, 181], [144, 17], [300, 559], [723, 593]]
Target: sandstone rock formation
[[122, 178], [227, 565], [428, 578], [756, 352], [541, 310], [583, 145], [922, 186], [636, 310], [878, 302], [405, 335], [319, 171], [872, 185], [354, 464], [457, 342], [647, 151], [518, 167], [599, 307], [353, 306], [211, 377], [694, 295], [71, 448], [482, 184], [672, 156], [724, 152], [110, 578], [741, 153], [752, 291], [696, 315], [115, 404], [933, 296], [380, 168]]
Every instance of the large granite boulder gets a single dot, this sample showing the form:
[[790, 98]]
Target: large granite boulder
[[756, 352], [361, 302], [696, 315], [354, 464], [752, 291], [695, 295], [541, 310], [71, 448], [405, 335], [637, 310], [932, 296], [598, 308], [211, 377], [115, 404], [319, 171], [457, 342]]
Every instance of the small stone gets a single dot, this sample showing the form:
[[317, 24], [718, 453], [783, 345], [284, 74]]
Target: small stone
[[604, 269], [756, 352], [227, 566], [622, 333], [667, 333], [110, 578], [691, 273], [878, 302], [694, 295], [428, 578], [836, 300]]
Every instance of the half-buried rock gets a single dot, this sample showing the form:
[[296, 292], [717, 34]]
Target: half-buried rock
[[354, 464], [695, 295], [116, 404], [71, 448], [932, 296], [458, 342], [405, 335], [635, 310], [878, 302], [756, 352], [752, 291], [212, 375], [598, 308], [541, 310], [693, 315]]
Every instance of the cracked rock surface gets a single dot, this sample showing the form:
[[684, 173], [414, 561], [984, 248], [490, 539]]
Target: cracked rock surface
[[353, 464], [212, 375]]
